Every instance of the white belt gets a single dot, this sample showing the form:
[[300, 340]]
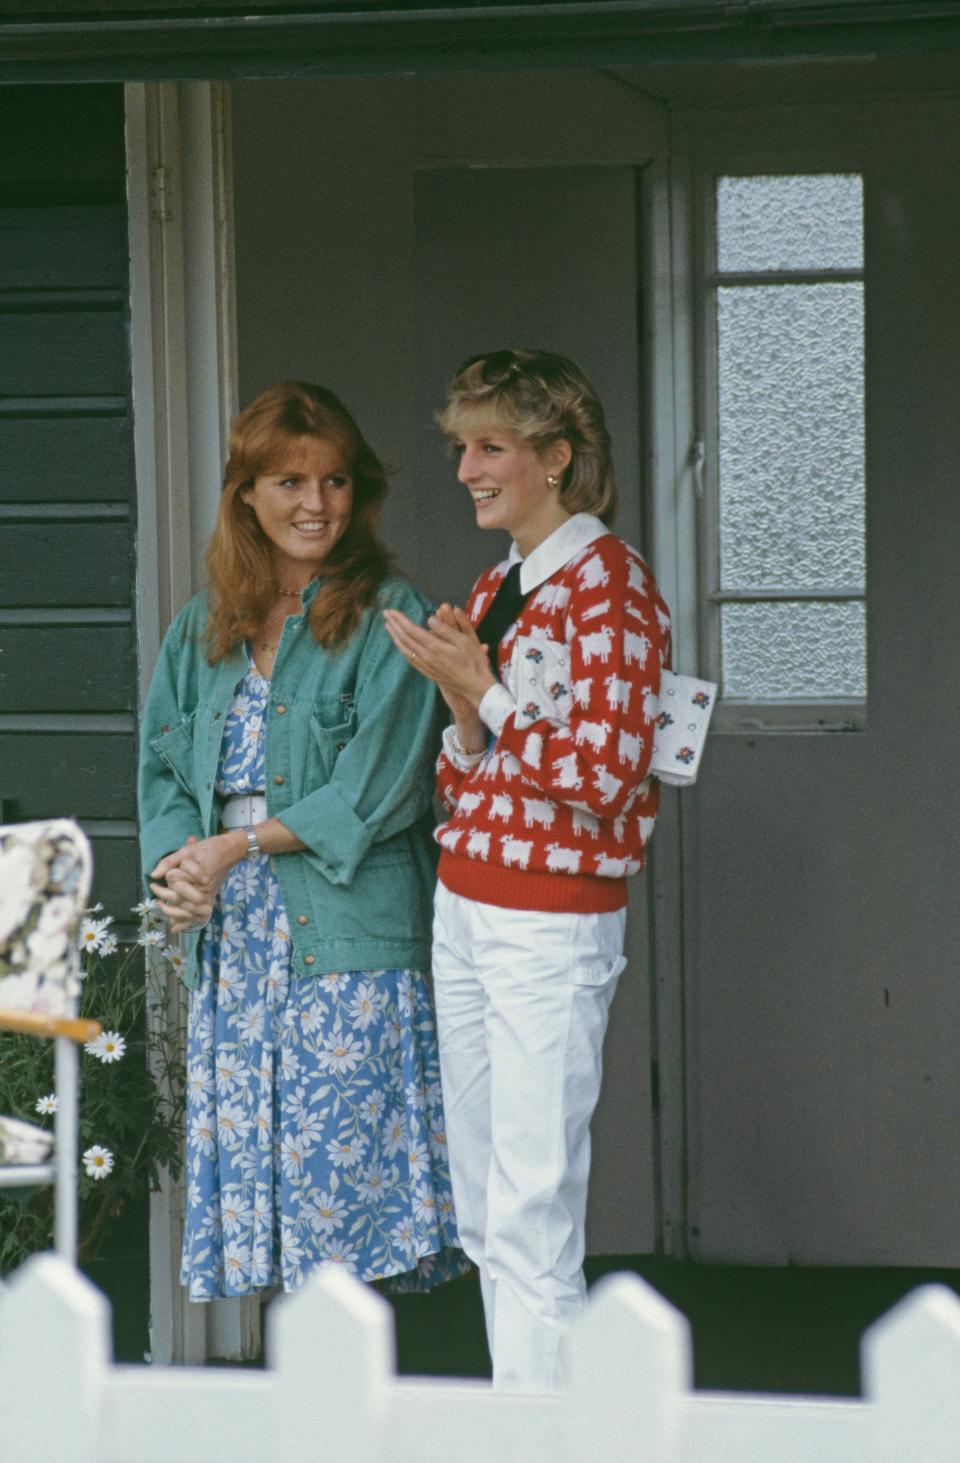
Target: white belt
[[242, 809]]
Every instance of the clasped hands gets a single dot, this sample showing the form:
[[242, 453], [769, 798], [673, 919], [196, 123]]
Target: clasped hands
[[187, 881], [448, 653]]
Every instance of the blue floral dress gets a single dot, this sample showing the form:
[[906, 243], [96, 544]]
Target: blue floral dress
[[315, 1131]]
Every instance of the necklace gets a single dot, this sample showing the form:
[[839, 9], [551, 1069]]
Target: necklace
[[290, 593]]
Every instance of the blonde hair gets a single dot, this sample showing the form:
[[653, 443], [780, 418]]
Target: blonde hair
[[542, 398], [239, 571]]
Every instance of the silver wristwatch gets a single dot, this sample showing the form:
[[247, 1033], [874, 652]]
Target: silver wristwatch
[[253, 846]]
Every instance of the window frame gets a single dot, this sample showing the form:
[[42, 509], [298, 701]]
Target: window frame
[[761, 715]]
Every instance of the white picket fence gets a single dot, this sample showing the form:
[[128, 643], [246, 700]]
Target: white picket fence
[[329, 1391]]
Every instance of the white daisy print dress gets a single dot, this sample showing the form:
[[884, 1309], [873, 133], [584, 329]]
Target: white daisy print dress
[[315, 1130]]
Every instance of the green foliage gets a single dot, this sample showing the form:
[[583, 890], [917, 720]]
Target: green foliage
[[131, 1105]]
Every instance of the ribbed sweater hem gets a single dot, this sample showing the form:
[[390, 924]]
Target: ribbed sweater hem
[[529, 888]]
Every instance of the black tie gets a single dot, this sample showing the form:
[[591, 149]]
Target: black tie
[[507, 603]]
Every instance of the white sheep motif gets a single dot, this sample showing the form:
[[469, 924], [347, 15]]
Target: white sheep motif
[[651, 705], [606, 784], [597, 643], [566, 772], [593, 573], [584, 822], [612, 868], [553, 597], [478, 844], [637, 575], [450, 837], [582, 691], [635, 647], [618, 693], [509, 766], [595, 610], [594, 732], [501, 806], [516, 852], [533, 749], [470, 801], [538, 810], [646, 827], [629, 748], [562, 860]]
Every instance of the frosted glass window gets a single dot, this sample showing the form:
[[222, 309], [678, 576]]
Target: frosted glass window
[[794, 649], [790, 223], [788, 561], [790, 384]]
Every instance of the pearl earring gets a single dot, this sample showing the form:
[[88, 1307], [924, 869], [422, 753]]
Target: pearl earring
[[551, 480]]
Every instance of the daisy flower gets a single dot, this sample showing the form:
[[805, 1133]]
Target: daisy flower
[[98, 1161], [147, 938], [92, 933], [46, 1104], [145, 907], [109, 1046]]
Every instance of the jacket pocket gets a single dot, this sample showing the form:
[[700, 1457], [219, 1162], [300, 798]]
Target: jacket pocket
[[174, 748], [327, 744]]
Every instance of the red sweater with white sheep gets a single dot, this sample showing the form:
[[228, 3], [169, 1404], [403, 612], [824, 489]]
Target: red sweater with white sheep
[[560, 809]]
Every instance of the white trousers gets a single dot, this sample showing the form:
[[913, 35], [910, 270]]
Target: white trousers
[[522, 1002]]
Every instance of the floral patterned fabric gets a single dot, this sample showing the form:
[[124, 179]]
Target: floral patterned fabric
[[315, 1129]]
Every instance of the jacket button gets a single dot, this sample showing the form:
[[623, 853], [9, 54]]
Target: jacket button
[[340, 746], [301, 920], [164, 730], [281, 710], [278, 780], [309, 959]]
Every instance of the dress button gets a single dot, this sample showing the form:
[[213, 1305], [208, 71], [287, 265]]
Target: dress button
[[278, 780], [309, 959], [301, 920], [281, 710]]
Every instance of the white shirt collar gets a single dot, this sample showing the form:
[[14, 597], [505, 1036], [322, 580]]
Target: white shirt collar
[[562, 545]]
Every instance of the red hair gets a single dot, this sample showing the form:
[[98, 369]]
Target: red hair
[[240, 575]]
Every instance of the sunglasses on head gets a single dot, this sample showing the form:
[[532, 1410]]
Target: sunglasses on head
[[499, 366]]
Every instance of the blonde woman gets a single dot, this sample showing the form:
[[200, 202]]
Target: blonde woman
[[551, 676], [284, 781]]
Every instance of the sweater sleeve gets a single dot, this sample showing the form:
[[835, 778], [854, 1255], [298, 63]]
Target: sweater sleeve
[[618, 639], [380, 778], [168, 810]]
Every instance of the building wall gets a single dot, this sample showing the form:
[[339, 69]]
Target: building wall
[[67, 632]]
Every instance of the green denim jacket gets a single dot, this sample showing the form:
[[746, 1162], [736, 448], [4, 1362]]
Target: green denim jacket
[[350, 745]]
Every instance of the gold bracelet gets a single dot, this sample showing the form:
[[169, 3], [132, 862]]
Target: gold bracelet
[[462, 751]]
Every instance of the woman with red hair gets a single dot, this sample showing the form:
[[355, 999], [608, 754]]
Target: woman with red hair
[[285, 781]]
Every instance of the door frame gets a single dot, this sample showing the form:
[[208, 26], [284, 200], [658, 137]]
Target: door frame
[[184, 375]]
